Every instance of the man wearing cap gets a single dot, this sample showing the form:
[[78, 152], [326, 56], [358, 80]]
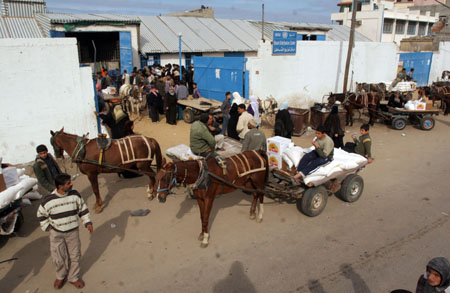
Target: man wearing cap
[[202, 142], [45, 168], [254, 139]]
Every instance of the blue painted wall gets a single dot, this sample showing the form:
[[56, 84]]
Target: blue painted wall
[[126, 53], [421, 62], [217, 75]]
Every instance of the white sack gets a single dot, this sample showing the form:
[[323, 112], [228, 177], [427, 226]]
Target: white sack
[[34, 195], [287, 160], [10, 176], [294, 154]]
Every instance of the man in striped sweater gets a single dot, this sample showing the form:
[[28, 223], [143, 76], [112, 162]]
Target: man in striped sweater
[[58, 214]]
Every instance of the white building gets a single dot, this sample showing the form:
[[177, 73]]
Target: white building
[[386, 20]]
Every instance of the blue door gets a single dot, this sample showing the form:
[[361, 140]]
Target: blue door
[[217, 75], [57, 34], [126, 53], [234, 54], [421, 62]]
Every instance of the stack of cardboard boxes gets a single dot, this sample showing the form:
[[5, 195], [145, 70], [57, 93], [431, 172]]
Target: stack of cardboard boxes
[[275, 147]]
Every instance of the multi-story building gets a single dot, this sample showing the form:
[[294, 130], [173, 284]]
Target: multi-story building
[[387, 20]]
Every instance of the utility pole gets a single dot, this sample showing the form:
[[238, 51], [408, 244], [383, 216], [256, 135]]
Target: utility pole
[[350, 44]]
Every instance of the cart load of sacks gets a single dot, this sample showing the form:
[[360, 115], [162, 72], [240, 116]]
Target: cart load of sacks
[[282, 151], [18, 186]]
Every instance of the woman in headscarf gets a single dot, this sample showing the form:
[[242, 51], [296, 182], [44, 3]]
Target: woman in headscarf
[[232, 123], [333, 127], [254, 107], [283, 122], [171, 106]]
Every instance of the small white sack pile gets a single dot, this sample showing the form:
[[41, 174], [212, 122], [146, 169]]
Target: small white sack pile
[[402, 86], [416, 105], [182, 152], [342, 161], [18, 186]]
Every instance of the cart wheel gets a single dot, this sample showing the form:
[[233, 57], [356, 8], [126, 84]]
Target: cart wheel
[[188, 116], [399, 123], [351, 189], [19, 222], [427, 123], [313, 201]]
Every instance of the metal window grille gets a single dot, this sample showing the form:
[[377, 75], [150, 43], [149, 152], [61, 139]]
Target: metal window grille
[[387, 26], [400, 27], [422, 28], [412, 25]]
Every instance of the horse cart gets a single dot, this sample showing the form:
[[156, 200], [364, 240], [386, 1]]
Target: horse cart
[[193, 108], [312, 198], [398, 118]]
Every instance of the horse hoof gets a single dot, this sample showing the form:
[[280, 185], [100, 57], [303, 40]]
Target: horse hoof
[[259, 220], [98, 209], [252, 217], [203, 245], [150, 197], [200, 237]]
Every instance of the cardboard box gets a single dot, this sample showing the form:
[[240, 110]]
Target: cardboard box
[[275, 161], [277, 145], [429, 105]]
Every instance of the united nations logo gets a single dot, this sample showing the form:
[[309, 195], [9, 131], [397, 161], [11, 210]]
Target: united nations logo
[[285, 35]]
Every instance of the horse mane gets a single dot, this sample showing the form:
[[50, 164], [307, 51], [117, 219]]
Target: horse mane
[[158, 156]]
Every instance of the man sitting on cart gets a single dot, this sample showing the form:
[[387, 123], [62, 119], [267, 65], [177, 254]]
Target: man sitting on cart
[[202, 142], [323, 154]]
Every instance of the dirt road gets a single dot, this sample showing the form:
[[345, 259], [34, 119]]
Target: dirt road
[[380, 243]]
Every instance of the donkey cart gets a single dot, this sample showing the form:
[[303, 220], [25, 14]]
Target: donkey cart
[[399, 118], [312, 198], [194, 108]]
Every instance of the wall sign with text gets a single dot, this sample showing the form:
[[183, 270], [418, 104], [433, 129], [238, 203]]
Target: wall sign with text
[[284, 42]]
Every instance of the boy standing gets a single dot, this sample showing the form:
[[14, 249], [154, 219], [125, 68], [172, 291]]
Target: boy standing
[[58, 214]]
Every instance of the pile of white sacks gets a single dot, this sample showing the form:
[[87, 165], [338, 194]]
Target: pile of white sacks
[[342, 161], [18, 186]]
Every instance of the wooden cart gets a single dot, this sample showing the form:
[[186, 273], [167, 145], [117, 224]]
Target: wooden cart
[[311, 199], [198, 106], [399, 118]]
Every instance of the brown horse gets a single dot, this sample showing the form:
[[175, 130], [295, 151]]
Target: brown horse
[[249, 169], [441, 91], [351, 102], [134, 150]]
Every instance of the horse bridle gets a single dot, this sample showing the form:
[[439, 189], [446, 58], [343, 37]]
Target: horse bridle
[[57, 148], [173, 181]]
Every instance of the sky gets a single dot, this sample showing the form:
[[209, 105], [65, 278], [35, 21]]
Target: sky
[[314, 11]]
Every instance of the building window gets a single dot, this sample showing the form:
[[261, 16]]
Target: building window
[[422, 28], [412, 27], [387, 26], [400, 27], [430, 30]]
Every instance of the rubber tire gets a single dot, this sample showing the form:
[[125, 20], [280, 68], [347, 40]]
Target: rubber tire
[[305, 204], [399, 123], [345, 193], [19, 222], [427, 123], [188, 116]]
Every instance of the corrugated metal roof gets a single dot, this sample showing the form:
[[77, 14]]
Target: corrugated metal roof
[[342, 33], [22, 8], [189, 37], [206, 34], [62, 18], [238, 32], [44, 23], [19, 27], [162, 33], [237, 44], [3, 30], [149, 42]]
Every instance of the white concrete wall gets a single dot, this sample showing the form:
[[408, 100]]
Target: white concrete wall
[[42, 89], [172, 59], [318, 69], [133, 29], [440, 62]]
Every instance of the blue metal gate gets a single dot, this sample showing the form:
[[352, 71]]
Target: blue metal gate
[[217, 75], [421, 62], [126, 53]]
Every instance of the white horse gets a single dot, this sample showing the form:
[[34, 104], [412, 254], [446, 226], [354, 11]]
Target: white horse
[[133, 99]]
